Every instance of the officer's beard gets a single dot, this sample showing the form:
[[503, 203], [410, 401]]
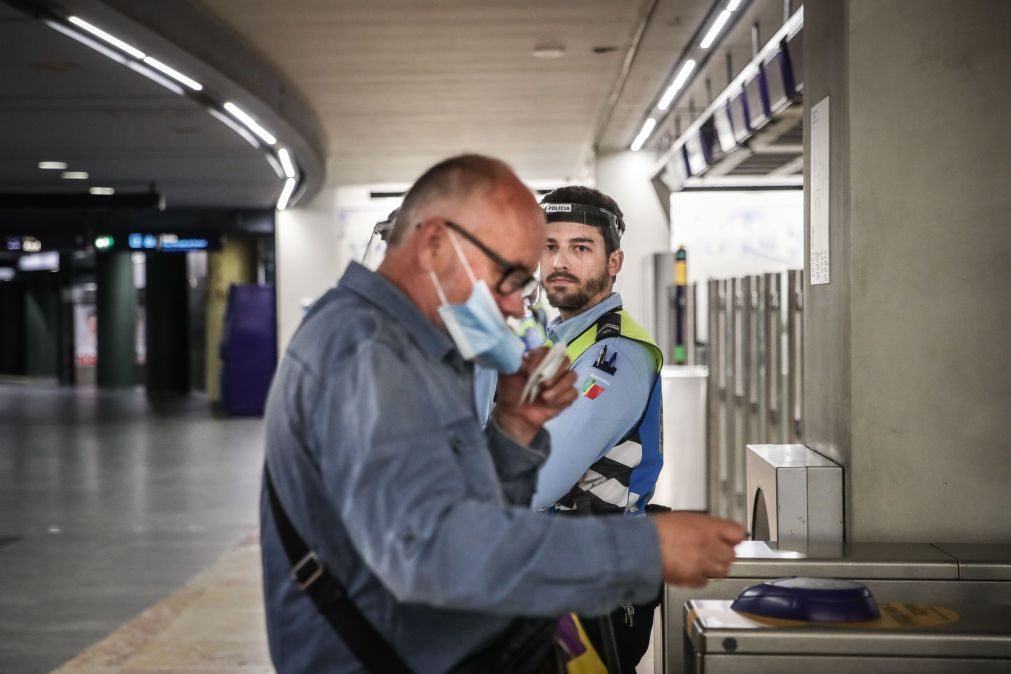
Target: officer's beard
[[575, 298]]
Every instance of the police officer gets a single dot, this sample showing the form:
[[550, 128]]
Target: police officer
[[606, 453]]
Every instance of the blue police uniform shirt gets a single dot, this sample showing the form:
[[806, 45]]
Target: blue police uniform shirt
[[599, 419], [381, 462]]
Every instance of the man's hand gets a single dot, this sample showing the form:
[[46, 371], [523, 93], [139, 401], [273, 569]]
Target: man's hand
[[521, 421], [696, 547]]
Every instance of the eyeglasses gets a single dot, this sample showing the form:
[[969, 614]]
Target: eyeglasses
[[514, 276]]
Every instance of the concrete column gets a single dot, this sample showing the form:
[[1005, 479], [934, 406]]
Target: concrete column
[[309, 258], [117, 320], [167, 332], [234, 263], [906, 355], [625, 177]]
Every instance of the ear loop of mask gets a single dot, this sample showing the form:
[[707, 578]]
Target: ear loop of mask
[[466, 266]]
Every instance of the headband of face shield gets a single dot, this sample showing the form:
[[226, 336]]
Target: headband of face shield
[[603, 219], [381, 231]]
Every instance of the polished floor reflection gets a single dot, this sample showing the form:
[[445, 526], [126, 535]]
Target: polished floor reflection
[[108, 503]]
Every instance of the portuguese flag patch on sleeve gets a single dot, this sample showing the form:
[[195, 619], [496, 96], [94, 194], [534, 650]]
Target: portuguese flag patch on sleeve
[[591, 388]]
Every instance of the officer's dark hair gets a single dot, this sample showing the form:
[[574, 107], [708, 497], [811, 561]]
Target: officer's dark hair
[[457, 176], [587, 196]]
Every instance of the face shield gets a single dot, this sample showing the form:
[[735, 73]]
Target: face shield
[[375, 251]]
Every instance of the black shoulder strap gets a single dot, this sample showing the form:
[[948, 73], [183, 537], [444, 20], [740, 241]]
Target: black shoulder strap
[[329, 596], [609, 325]]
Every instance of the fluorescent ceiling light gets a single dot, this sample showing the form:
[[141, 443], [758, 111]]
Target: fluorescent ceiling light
[[173, 73], [286, 163], [152, 75], [647, 129], [679, 81], [102, 191], [286, 191], [111, 39], [53, 165], [85, 40], [75, 175], [714, 32], [274, 164], [234, 126], [733, 4], [251, 123]]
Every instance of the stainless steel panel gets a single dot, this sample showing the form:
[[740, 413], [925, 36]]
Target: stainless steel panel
[[981, 631], [980, 561], [691, 338], [663, 284], [925, 590], [795, 348], [892, 571], [736, 493], [714, 394], [773, 360], [801, 664]]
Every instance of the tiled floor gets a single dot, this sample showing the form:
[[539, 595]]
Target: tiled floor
[[115, 502], [213, 624]]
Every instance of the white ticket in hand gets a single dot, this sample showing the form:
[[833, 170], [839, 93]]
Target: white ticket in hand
[[547, 369]]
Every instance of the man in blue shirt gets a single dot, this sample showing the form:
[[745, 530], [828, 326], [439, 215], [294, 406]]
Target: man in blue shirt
[[380, 462], [606, 453]]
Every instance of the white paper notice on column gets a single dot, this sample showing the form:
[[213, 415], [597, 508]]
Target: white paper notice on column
[[819, 271]]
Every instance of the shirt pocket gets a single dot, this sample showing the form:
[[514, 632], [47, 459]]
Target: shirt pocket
[[467, 441]]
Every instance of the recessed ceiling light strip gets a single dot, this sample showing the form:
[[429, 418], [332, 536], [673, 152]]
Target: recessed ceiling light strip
[[158, 71], [688, 67], [786, 31]]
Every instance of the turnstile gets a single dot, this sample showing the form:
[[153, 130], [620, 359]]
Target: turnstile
[[919, 572], [909, 637]]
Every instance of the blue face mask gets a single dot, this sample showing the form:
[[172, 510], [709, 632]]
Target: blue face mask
[[477, 326]]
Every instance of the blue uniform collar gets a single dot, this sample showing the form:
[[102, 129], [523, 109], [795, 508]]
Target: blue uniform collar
[[566, 331], [387, 297]]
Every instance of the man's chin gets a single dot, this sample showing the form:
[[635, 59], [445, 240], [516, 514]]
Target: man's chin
[[567, 301]]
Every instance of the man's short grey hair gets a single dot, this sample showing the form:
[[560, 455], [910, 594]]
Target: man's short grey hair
[[458, 176]]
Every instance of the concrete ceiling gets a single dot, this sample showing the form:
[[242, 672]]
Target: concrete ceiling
[[394, 86], [62, 101], [403, 83]]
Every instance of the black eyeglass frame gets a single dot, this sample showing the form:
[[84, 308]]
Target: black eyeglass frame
[[514, 276]]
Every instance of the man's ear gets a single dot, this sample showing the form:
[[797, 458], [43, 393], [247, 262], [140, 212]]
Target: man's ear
[[614, 262], [430, 241]]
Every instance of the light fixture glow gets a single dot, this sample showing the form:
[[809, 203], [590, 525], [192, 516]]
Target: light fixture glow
[[251, 123], [274, 164], [152, 75], [173, 73], [104, 242], [286, 163], [111, 39], [86, 41], [53, 165], [679, 81], [102, 191], [733, 4], [74, 175], [286, 192], [714, 31], [647, 129], [236, 127]]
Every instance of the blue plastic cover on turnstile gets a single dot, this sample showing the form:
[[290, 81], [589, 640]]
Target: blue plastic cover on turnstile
[[248, 349]]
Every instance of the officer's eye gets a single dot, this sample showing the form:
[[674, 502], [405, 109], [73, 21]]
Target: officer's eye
[[550, 247], [581, 249]]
